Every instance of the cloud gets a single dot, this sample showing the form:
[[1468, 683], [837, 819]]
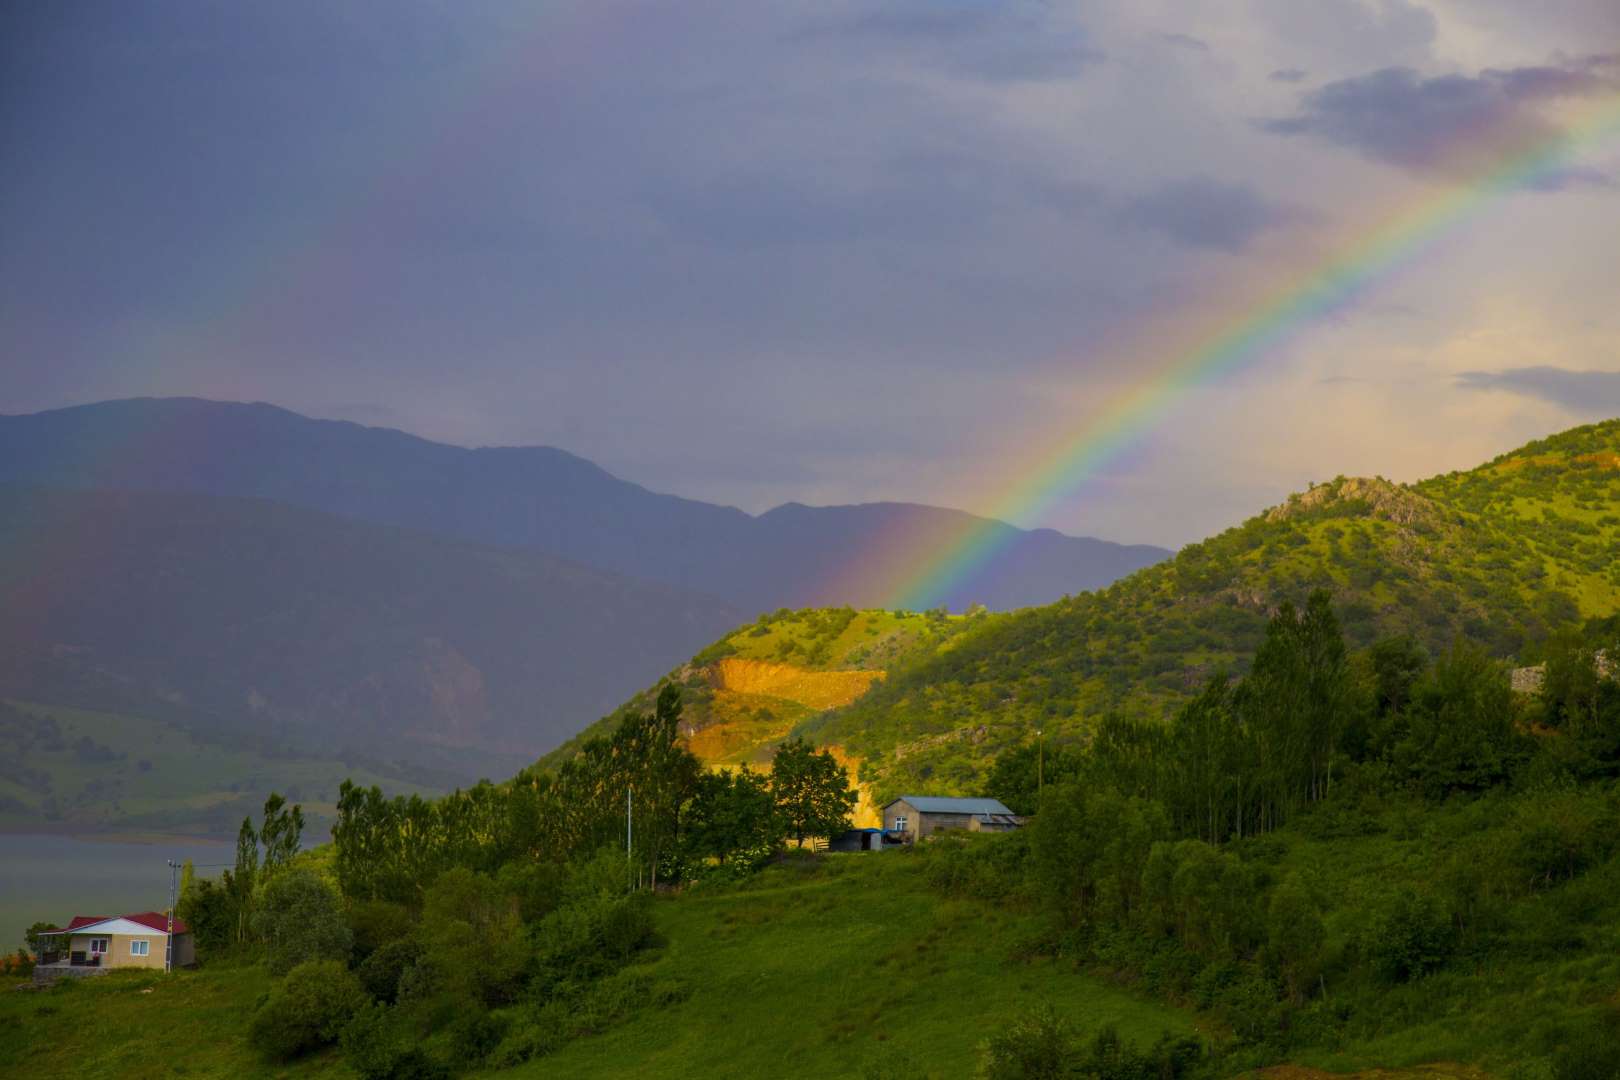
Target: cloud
[[1289, 75], [1584, 392], [1204, 212], [1185, 41], [1446, 123], [992, 42]]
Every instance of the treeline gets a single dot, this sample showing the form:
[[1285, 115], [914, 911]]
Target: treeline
[[638, 789], [497, 923], [1158, 849]]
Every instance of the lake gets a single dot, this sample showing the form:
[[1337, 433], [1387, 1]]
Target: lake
[[54, 878]]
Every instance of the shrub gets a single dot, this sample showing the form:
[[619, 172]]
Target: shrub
[[475, 1034], [1408, 935], [377, 1050], [310, 1008], [381, 972]]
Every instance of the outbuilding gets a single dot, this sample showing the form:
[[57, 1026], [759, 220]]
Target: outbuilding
[[916, 817]]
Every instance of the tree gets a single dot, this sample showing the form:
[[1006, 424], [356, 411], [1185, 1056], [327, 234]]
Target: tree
[[812, 791], [209, 912], [732, 815], [31, 935], [240, 881], [1461, 730], [281, 832], [300, 919], [1022, 772]]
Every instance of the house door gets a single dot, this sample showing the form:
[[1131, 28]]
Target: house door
[[98, 948]]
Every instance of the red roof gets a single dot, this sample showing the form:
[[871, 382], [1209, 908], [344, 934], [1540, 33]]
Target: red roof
[[158, 921], [154, 919]]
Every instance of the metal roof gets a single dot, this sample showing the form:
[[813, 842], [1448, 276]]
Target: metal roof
[[939, 804]]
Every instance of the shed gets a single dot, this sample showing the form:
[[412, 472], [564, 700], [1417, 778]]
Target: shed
[[857, 840]]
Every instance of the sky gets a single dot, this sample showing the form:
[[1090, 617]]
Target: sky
[[829, 251]]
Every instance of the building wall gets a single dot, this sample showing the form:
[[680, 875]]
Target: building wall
[[118, 954], [933, 823], [921, 825], [901, 809]]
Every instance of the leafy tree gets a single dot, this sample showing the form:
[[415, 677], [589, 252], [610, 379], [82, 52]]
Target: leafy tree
[[467, 914], [732, 815], [31, 935], [1022, 772], [242, 880], [1396, 666], [281, 832], [209, 911], [1461, 730], [812, 791], [300, 919]]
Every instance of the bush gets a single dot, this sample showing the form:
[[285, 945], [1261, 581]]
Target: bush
[[475, 1034], [381, 972], [376, 1050], [1042, 1047], [1408, 935], [309, 1009]]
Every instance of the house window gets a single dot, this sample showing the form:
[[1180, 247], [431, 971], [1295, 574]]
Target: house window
[[899, 824], [140, 948], [98, 945]]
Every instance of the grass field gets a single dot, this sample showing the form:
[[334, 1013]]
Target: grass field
[[832, 971], [828, 970]]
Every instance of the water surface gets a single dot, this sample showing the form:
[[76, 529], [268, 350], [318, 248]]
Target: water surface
[[54, 878]]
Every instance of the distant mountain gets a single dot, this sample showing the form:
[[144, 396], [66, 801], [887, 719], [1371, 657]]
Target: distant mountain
[[541, 498], [253, 620]]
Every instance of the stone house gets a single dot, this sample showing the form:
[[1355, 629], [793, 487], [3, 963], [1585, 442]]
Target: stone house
[[916, 817]]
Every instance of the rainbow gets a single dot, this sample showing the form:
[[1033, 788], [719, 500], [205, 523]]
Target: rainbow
[[1237, 340]]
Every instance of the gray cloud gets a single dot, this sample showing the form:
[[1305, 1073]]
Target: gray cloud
[[1585, 392], [1422, 123], [1185, 41], [1289, 75], [998, 42], [1203, 212]]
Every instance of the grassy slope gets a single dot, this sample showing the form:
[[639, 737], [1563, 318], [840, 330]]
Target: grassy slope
[[836, 969], [138, 1025], [189, 786], [831, 968]]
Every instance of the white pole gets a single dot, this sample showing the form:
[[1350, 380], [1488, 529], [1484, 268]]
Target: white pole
[[629, 864], [168, 948]]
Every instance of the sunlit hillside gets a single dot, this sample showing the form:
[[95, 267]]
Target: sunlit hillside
[[1505, 553]]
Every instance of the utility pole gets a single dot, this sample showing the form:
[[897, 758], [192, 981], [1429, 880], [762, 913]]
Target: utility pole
[[629, 862], [168, 948]]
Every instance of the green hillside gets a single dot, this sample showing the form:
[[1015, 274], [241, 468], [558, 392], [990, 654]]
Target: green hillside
[[82, 771], [1504, 554]]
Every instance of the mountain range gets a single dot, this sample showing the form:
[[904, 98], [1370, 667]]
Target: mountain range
[[308, 591], [544, 499]]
